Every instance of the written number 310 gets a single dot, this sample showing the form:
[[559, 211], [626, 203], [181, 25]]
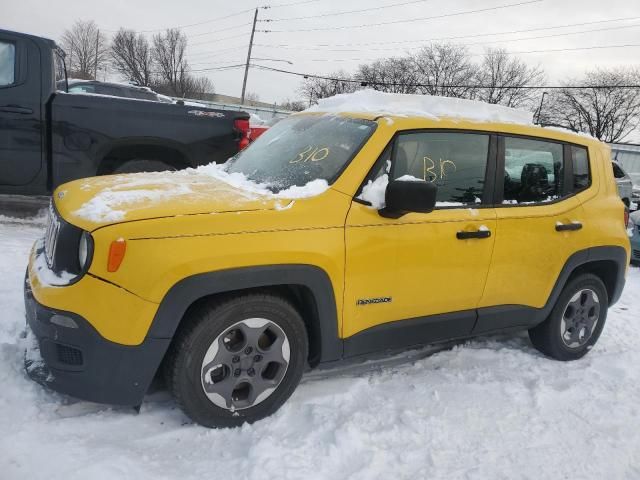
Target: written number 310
[[315, 154]]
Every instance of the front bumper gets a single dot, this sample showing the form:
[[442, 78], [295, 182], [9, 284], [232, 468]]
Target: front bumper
[[78, 361]]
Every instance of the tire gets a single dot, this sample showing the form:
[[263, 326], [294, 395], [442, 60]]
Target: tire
[[212, 352], [137, 166], [571, 330]]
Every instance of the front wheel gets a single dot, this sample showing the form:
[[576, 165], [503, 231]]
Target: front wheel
[[237, 360], [576, 321]]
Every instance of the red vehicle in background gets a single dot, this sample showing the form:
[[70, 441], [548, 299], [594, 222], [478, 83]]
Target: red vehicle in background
[[256, 131]]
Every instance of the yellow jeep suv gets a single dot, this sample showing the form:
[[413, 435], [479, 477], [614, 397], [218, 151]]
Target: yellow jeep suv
[[335, 235]]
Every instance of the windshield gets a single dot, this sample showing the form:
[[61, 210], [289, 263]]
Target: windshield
[[300, 149]]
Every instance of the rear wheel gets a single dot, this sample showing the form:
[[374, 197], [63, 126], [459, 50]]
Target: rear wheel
[[576, 321], [137, 166], [237, 360]]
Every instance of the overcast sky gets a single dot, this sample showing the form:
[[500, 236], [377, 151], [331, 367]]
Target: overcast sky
[[308, 53]]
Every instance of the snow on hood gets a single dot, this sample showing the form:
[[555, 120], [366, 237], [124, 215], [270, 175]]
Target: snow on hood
[[372, 101], [96, 201]]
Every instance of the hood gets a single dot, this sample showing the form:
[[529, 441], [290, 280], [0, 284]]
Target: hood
[[95, 202]]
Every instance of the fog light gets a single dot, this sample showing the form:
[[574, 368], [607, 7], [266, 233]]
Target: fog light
[[63, 321]]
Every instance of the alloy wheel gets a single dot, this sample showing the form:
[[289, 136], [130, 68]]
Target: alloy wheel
[[580, 318], [245, 364]]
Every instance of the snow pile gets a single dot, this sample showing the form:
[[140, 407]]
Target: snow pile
[[491, 408], [44, 273], [372, 101], [123, 192], [108, 204], [374, 192]]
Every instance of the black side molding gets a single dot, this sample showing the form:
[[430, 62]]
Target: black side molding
[[497, 318]]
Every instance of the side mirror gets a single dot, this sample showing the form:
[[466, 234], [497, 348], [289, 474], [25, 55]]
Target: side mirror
[[402, 197]]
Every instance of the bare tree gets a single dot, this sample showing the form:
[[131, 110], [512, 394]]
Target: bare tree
[[252, 98], [131, 57], [196, 87], [395, 75], [293, 105], [169, 55], [505, 79], [86, 48], [607, 110], [317, 88], [446, 70]]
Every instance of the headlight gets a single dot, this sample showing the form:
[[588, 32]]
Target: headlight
[[84, 250]]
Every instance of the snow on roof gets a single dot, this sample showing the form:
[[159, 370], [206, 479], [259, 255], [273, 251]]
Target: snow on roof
[[372, 101]]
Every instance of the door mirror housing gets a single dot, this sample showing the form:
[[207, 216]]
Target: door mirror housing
[[402, 197]]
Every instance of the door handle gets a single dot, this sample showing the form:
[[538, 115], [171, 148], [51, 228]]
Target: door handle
[[15, 109], [568, 227], [477, 234]]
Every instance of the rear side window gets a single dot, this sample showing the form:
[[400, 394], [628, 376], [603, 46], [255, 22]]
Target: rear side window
[[7, 63], [581, 174], [534, 171], [455, 162]]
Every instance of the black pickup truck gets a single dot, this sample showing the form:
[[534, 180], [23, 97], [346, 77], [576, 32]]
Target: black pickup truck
[[48, 137]]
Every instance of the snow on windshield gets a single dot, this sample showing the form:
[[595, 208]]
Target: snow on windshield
[[372, 101]]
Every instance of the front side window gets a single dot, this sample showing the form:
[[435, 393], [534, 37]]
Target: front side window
[[533, 171], [455, 162], [7, 63], [300, 149]]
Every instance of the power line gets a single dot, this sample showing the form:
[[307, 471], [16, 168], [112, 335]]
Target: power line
[[347, 12], [219, 39], [220, 30], [288, 4], [217, 19], [225, 67], [392, 84], [394, 22], [211, 20], [209, 53], [299, 46], [595, 47], [555, 35]]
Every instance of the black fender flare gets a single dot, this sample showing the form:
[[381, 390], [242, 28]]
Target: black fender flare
[[188, 290]]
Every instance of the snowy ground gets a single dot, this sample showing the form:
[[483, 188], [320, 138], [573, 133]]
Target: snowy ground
[[491, 409]]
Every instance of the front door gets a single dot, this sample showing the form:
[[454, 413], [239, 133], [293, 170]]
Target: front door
[[419, 278], [21, 129]]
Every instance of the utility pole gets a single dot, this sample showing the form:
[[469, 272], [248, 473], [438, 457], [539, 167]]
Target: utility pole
[[95, 65], [246, 68]]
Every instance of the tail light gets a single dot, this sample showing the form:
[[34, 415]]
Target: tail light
[[626, 218], [245, 132]]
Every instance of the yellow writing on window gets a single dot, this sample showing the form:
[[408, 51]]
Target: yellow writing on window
[[311, 153], [439, 171]]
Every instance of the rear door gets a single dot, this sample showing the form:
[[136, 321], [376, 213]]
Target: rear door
[[540, 225], [21, 122]]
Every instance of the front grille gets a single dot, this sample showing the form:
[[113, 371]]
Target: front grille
[[51, 237], [69, 355], [636, 253]]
